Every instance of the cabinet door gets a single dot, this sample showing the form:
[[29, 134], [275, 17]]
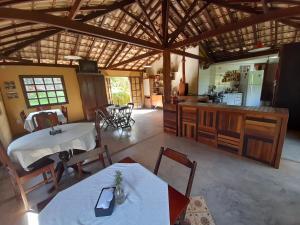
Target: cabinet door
[[229, 128], [93, 94], [259, 149]]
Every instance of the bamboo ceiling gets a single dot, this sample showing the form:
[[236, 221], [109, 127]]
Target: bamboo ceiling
[[128, 34]]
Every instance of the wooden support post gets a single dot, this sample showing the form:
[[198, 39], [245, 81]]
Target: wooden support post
[[167, 75]]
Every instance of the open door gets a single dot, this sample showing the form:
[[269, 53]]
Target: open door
[[136, 91]]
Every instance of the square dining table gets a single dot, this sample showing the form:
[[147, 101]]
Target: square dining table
[[149, 201]]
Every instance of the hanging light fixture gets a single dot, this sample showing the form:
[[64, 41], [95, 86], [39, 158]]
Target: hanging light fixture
[[259, 47]]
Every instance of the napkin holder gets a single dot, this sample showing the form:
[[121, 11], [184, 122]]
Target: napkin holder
[[100, 212], [54, 132]]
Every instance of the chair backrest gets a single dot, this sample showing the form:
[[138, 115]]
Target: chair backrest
[[182, 159], [98, 119], [23, 116], [130, 105], [5, 160], [64, 111], [45, 120], [41, 108]]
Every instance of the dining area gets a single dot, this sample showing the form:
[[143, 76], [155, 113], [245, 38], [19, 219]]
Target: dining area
[[54, 149]]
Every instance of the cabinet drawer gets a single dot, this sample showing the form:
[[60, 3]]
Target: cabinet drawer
[[265, 128]]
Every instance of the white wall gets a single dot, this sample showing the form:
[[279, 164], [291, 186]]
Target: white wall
[[191, 70], [214, 74]]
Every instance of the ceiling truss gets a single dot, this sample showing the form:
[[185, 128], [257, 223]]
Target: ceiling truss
[[129, 34]]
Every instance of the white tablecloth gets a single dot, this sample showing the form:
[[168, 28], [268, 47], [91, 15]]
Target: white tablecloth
[[31, 147], [147, 200], [28, 124]]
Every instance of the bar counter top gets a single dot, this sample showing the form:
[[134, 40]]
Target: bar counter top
[[224, 107]]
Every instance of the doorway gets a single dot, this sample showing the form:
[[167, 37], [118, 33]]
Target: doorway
[[122, 90]]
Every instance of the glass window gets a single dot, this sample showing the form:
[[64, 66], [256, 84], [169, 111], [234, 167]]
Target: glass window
[[44, 90]]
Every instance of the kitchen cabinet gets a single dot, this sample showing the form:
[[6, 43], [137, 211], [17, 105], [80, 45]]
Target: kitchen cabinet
[[253, 132]]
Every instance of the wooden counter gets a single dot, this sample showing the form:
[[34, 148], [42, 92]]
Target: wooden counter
[[254, 132]]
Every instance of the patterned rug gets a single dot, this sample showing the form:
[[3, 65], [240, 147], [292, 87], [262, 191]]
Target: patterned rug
[[197, 212]]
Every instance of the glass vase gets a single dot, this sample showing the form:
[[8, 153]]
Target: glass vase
[[119, 195]]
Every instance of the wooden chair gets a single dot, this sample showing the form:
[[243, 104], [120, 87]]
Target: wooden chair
[[182, 159], [41, 108], [19, 176], [98, 152], [44, 120], [23, 116], [64, 111], [131, 106]]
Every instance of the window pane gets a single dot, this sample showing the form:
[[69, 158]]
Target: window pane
[[40, 87], [60, 93], [50, 87], [33, 102], [53, 100], [38, 80], [43, 101], [51, 94], [48, 81], [28, 80], [43, 90], [57, 80], [58, 87], [61, 99], [30, 88], [32, 95], [42, 94]]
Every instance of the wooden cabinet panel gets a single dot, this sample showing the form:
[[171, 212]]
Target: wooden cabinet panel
[[206, 132], [260, 149], [189, 130], [93, 94], [230, 130], [170, 118]]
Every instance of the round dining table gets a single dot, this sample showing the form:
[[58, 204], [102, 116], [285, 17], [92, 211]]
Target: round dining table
[[31, 147]]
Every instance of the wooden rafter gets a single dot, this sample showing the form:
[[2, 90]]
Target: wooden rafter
[[186, 19], [145, 55], [75, 26], [278, 14], [86, 18], [164, 22], [57, 47], [190, 55], [144, 10]]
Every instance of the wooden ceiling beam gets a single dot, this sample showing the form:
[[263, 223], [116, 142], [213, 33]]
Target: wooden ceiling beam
[[247, 55], [145, 55], [57, 47], [16, 40], [12, 2], [74, 9], [190, 55], [10, 35], [186, 19], [38, 51], [75, 26], [116, 5], [251, 10], [278, 14], [24, 44], [86, 18], [164, 22], [136, 30], [144, 10], [136, 19]]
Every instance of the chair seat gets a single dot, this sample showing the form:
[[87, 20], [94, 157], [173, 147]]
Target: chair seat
[[33, 167]]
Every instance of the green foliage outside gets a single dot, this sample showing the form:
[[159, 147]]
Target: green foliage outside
[[120, 90]]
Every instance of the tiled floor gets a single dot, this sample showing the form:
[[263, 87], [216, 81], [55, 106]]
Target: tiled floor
[[237, 191]]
